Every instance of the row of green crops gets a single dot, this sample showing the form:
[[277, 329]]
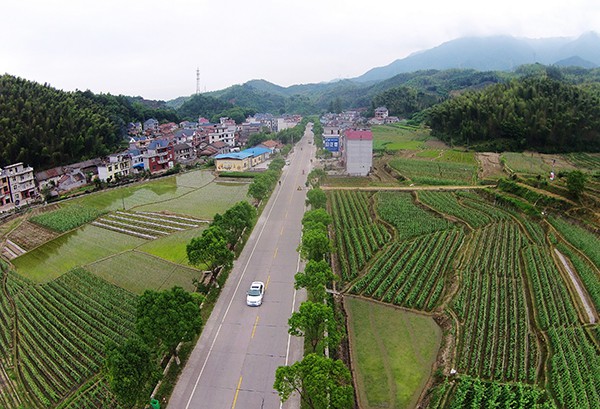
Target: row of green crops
[[584, 160], [447, 202], [579, 237], [434, 172], [63, 328], [589, 275], [399, 209], [412, 274], [67, 218], [98, 395], [574, 368], [357, 236], [498, 340], [553, 302], [474, 393]]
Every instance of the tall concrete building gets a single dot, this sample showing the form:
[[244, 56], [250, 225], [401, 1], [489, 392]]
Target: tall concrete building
[[358, 151]]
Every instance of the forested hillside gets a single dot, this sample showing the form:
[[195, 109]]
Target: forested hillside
[[45, 127], [539, 113]]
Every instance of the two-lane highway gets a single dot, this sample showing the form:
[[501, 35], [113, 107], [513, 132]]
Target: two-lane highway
[[233, 365]]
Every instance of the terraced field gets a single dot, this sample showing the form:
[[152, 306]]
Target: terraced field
[[517, 336]]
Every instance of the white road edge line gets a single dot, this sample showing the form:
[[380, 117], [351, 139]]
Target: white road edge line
[[233, 298]]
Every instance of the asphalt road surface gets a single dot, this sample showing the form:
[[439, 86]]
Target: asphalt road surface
[[233, 365]]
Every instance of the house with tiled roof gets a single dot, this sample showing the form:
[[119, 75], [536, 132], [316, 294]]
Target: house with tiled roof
[[184, 153], [159, 157]]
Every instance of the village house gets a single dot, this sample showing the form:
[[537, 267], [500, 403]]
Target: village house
[[184, 153], [21, 184], [150, 126], [114, 167], [271, 145], [241, 161], [159, 156], [4, 189]]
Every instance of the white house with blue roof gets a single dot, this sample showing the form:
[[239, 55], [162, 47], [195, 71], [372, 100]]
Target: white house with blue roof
[[241, 161]]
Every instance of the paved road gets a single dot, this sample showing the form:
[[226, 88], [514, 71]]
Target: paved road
[[233, 365]]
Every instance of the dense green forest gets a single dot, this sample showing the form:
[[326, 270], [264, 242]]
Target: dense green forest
[[45, 127], [538, 112]]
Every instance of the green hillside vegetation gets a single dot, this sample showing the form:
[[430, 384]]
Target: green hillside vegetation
[[45, 127], [537, 113]]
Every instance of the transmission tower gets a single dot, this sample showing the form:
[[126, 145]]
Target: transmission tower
[[197, 81]]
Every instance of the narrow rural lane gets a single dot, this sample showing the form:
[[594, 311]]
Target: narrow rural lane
[[233, 365]]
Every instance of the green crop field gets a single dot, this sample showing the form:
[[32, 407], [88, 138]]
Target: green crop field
[[520, 335], [397, 137], [391, 365], [203, 202], [137, 271], [172, 247], [75, 248], [434, 172]]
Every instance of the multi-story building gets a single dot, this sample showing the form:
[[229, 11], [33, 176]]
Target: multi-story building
[[4, 189], [115, 166], [21, 182], [357, 152], [159, 157]]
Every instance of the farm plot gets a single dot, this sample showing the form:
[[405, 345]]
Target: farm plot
[[412, 274], [476, 215], [435, 173], [137, 271], [471, 392], [172, 247], [358, 237], [497, 341], [66, 218], [584, 160], [552, 299], [399, 209], [75, 248], [146, 225], [202, 203], [391, 368], [98, 395], [582, 239], [63, 328], [29, 235], [574, 368]]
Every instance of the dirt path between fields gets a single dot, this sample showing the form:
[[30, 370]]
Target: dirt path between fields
[[407, 188], [584, 299]]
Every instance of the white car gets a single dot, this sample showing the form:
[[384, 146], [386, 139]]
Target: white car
[[255, 294]]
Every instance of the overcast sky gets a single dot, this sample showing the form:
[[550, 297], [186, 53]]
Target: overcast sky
[[153, 48]]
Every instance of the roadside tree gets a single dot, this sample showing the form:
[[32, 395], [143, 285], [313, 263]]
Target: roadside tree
[[315, 277], [315, 322], [322, 383]]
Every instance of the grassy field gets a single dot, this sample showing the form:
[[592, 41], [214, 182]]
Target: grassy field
[[397, 137], [76, 248], [393, 352], [137, 271], [172, 247], [202, 203]]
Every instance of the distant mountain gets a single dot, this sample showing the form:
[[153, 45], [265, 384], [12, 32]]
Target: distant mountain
[[576, 62], [495, 53]]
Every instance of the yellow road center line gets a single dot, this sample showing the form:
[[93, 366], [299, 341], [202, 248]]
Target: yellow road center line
[[237, 391], [275, 255], [281, 232], [255, 325], [267, 285]]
